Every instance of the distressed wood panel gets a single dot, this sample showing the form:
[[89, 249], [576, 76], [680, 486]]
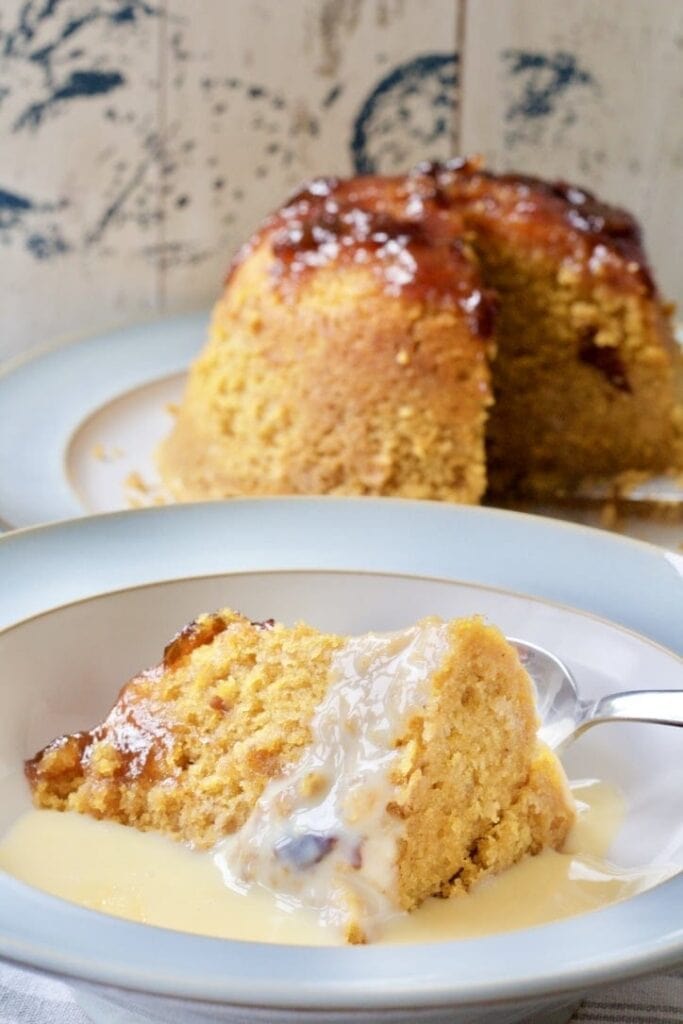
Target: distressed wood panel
[[142, 140], [281, 91], [78, 170], [591, 92]]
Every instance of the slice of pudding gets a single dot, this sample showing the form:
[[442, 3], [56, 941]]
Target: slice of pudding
[[357, 776]]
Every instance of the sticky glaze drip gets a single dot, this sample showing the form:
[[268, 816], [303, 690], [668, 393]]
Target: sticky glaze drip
[[402, 229], [139, 735], [195, 634], [136, 732], [611, 235], [408, 230], [322, 836]]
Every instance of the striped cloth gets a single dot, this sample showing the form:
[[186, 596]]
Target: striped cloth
[[31, 998]]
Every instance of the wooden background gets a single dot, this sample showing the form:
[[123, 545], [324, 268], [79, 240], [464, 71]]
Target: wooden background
[[142, 140]]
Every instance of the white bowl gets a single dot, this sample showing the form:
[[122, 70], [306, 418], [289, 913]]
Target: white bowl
[[301, 559]]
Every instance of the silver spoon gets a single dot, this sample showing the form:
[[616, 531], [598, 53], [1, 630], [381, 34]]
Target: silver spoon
[[565, 716]]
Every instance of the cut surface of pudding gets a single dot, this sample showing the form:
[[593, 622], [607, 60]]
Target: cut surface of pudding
[[419, 335], [352, 775]]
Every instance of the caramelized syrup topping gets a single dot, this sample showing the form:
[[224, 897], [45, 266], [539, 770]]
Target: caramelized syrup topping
[[403, 229], [409, 231], [141, 741], [195, 634], [135, 731], [72, 748], [530, 200]]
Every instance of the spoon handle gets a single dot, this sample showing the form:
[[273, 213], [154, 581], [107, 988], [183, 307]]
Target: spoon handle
[[664, 707]]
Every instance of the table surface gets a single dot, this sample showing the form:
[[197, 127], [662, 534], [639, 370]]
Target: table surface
[[31, 998]]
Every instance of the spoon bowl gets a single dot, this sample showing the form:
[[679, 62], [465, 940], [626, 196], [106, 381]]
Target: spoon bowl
[[564, 715]]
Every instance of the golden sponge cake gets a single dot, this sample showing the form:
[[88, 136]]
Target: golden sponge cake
[[419, 335], [356, 775]]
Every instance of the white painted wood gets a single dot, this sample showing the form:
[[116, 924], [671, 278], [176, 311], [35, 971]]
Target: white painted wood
[[78, 174], [270, 95], [140, 143], [602, 107], [129, 200]]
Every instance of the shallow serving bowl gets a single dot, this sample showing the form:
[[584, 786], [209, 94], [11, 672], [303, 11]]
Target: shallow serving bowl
[[84, 605]]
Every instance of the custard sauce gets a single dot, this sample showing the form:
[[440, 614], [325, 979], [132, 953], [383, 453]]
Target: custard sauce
[[148, 878]]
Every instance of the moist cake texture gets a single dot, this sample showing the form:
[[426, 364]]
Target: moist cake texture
[[421, 335], [348, 355], [356, 775]]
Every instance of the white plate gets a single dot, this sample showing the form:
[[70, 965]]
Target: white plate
[[77, 419], [54, 683], [81, 422]]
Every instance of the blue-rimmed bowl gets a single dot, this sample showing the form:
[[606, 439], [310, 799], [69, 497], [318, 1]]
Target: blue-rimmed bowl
[[350, 565]]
